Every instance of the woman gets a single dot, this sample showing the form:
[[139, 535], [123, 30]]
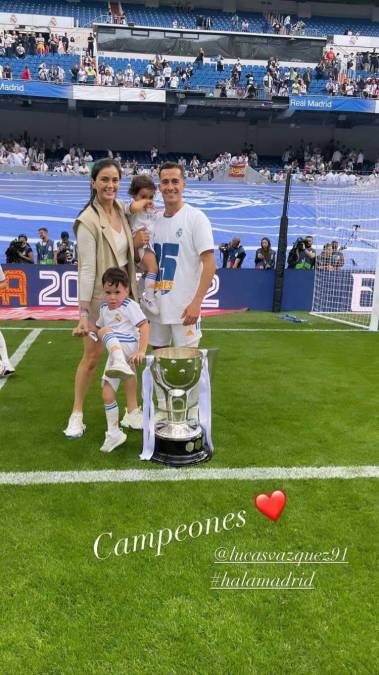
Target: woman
[[104, 240], [265, 256]]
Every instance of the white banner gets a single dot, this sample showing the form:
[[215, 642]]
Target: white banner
[[355, 41], [40, 20], [121, 94]]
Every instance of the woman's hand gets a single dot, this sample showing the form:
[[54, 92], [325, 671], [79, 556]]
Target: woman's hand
[[82, 329], [141, 238]]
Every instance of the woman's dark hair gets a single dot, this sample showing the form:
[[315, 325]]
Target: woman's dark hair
[[115, 276], [265, 239], [139, 183], [97, 167]]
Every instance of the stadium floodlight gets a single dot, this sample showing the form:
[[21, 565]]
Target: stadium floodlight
[[346, 287]]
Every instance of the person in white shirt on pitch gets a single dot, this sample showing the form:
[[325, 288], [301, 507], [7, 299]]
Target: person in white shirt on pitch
[[6, 367], [184, 246], [124, 330]]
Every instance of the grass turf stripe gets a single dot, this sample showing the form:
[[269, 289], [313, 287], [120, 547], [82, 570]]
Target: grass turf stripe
[[235, 330], [169, 474]]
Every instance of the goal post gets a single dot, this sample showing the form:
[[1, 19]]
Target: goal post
[[346, 286]]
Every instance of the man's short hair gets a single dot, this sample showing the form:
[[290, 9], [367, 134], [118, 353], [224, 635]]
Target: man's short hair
[[43, 229], [114, 276], [171, 165]]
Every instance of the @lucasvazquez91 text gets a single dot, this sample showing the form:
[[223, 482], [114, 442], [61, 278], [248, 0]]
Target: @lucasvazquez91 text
[[221, 581]]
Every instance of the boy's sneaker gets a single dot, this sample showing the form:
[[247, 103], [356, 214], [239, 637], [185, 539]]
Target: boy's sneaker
[[119, 369], [134, 419], [75, 427], [149, 303], [113, 440]]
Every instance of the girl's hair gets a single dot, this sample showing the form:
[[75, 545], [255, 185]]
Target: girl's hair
[[97, 167], [139, 183]]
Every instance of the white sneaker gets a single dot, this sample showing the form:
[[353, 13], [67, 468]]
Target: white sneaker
[[113, 440], [134, 419], [75, 427], [119, 369], [150, 304]]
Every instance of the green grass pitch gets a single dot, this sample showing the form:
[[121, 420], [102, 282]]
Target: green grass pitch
[[286, 395]]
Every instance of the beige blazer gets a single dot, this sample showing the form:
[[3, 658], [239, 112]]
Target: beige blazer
[[106, 252]]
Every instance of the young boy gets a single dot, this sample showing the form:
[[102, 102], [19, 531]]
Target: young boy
[[142, 215], [6, 367], [124, 329]]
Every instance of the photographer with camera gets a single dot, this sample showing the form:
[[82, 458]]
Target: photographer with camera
[[302, 256], [65, 250], [19, 251], [224, 252]]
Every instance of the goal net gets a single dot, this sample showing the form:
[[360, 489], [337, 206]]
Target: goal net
[[346, 287]]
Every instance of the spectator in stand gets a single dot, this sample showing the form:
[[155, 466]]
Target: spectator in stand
[[287, 24], [20, 51], [265, 256], [65, 43], [91, 42], [40, 43], [330, 55], [235, 21], [7, 72], [199, 61], [236, 254], [25, 75], [245, 26], [220, 64]]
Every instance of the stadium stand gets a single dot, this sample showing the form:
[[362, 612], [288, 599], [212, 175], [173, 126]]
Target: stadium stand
[[84, 13]]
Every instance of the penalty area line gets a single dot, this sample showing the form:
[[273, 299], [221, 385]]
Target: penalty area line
[[21, 350], [168, 474]]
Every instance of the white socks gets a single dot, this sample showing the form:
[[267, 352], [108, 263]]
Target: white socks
[[4, 352], [112, 415]]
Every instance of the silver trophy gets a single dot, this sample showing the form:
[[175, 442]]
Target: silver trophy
[[181, 425]]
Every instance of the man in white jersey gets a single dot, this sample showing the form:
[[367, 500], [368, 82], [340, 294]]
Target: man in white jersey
[[6, 367], [183, 244]]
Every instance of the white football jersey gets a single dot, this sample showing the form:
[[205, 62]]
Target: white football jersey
[[144, 219], [178, 242], [124, 320]]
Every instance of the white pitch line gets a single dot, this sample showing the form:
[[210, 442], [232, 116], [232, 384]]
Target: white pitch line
[[168, 474], [21, 351]]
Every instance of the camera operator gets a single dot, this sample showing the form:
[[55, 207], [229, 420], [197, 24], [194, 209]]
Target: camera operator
[[224, 252], [236, 254], [302, 256], [19, 251], [65, 250]]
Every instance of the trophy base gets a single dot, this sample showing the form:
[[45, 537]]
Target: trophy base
[[181, 452]]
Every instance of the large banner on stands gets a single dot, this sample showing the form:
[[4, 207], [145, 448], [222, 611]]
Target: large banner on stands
[[330, 103], [118, 94], [31, 88], [39, 20], [56, 286]]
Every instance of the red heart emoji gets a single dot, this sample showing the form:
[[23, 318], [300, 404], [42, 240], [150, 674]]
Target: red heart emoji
[[271, 505]]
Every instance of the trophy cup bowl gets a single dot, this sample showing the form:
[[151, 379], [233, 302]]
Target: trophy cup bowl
[[179, 438]]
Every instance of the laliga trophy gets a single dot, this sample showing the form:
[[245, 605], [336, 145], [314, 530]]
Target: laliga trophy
[[178, 432]]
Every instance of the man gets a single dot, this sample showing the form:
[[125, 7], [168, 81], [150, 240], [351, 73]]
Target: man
[[302, 256], [236, 254], [45, 248], [64, 250], [19, 251], [183, 243], [91, 41]]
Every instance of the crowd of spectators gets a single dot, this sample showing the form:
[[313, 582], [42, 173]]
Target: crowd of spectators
[[18, 44], [353, 74]]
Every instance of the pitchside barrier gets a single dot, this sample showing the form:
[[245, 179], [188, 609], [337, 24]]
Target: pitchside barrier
[[56, 286]]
